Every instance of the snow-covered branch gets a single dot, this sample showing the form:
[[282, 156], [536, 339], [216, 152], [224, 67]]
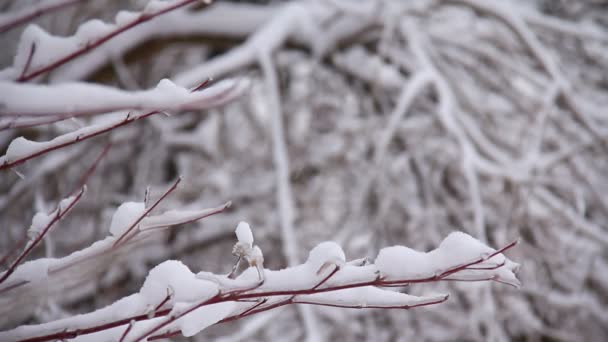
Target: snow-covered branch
[[174, 300], [166, 94], [38, 52]]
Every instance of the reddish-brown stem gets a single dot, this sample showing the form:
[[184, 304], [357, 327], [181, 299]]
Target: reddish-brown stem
[[439, 301], [167, 298], [258, 304], [331, 274], [29, 59], [172, 318], [124, 334], [58, 216], [80, 185], [146, 212], [126, 121], [143, 17], [68, 334], [28, 16], [486, 268], [85, 177], [13, 249], [202, 85]]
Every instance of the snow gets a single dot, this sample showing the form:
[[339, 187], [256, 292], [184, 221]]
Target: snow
[[243, 233], [401, 262], [175, 277], [457, 249], [369, 296], [175, 217], [157, 5], [20, 147], [125, 216], [126, 17], [199, 319], [39, 222], [33, 271], [92, 30], [325, 252], [87, 98]]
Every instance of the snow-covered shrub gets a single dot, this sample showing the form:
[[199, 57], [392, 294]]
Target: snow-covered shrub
[[368, 123]]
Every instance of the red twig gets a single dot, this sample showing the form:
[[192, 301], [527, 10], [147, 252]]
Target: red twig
[[172, 318], [60, 213], [69, 334], [143, 17], [324, 280], [12, 250], [85, 177], [124, 235], [124, 334], [403, 307], [167, 298], [29, 59], [83, 137]]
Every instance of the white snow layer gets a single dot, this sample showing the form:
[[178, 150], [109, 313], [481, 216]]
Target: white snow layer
[[456, 250], [201, 318], [20, 147], [125, 216], [174, 284], [243, 233], [78, 98]]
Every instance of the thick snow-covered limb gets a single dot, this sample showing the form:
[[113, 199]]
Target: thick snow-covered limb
[[88, 98], [350, 287], [13, 19], [51, 52], [21, 149]]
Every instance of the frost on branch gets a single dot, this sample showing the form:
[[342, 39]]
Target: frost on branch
[[174, 300]]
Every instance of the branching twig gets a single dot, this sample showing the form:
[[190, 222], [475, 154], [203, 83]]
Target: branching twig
[[143, 17]]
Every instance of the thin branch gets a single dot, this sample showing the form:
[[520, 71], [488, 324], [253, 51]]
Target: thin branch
[[28, 62], [85, 177], [60, 213], [143, 17], [124, 335], [124, 235], [101, 129]]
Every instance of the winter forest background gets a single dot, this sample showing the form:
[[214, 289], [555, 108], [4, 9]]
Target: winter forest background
[[367, 123]]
